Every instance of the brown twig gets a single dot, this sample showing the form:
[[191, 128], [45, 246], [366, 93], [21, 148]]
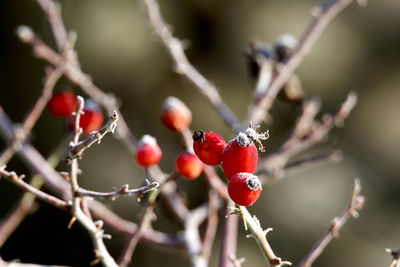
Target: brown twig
[[18, 180], [212, 224], [259, 235], [327, 12], [29, 122], [16, 263], [183, 66], [53, 180], [123, 192], [94, 137], [229, 237], [307, 132], [95, 231], [356, 204]]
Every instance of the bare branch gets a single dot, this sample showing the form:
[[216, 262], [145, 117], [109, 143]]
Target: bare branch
[[356, 204], [95, 137], [124, 191], [229, 237], [18, 180], [183, 66], [327, 12], [307, 133], [212, 224], [259, 235]]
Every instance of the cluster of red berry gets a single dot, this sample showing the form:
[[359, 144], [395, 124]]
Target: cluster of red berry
[[238, 158], [63, 104]]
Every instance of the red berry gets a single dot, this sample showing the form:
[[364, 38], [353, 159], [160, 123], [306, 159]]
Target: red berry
[[188, 165], [244, 188], [62, 104], [92, 119], [240, 154], [208, 146], [148, 152], [175, 114]]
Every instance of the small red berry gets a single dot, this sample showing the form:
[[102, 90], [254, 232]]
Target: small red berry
[[62, 104], [148, 152], [188, 165], [244, 188], [92, 118], [208, 146], [240, 154], [175, 114]]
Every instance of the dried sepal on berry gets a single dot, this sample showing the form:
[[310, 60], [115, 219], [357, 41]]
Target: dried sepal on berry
[[244, 188]]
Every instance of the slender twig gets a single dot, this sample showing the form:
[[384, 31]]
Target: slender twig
[[396, 257], [304, 136], [124, 191], [183, 66], [16, 263], [356, 204], [253, 224], [229, 237], [95, 231], [30, 120], [327, 12], [18, 180], [235, 261], [53, 12], [212, 224], [57, 184], [95, 137]]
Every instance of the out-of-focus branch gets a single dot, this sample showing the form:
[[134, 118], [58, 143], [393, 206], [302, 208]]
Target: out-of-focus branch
[[356, 204], [253, 224], [182, 64], [22, 132], [53, 13], [229, 237], [18, 180], [396, 257], [16, 263], [212, 224], [307, 133], [326, 13]]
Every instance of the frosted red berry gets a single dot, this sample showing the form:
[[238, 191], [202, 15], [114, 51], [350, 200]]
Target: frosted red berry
[[148, 152], [188, 165], [208, 146], [92, 119], [62, 104], [240, 154], [175, 114], [244, 188]]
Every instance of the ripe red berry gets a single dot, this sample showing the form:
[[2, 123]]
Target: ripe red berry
[[244, 188], [62, 104], [208, 146], [92, 119], [148, 152], [188, 165], [175, 114], [240, 154]]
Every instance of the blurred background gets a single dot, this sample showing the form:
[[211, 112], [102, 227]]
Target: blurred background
[[360, 51]]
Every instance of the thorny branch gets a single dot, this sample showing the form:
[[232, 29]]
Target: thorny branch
[[183, 66], [326, 13], [356, 204]]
